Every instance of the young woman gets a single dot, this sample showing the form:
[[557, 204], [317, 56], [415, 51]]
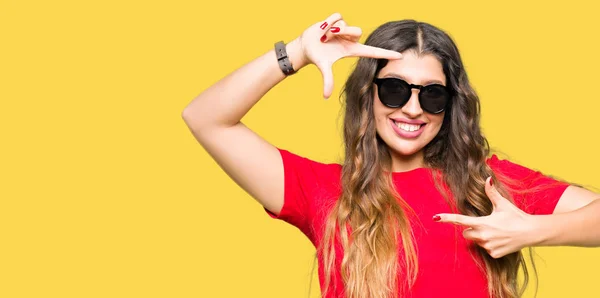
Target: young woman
[[425, 211]]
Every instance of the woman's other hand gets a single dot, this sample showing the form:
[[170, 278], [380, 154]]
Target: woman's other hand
[[508, 229]]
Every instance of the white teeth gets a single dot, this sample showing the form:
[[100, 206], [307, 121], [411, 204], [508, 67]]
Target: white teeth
[[408, 127]]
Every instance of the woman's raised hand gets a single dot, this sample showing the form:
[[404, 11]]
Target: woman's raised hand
[[326, 42]]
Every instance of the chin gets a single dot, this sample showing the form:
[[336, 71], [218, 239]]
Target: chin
[[405, 149]]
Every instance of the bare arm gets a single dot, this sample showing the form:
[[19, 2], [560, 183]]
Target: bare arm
[[575, 221], [214, 116], [214, 119], [509, 229]]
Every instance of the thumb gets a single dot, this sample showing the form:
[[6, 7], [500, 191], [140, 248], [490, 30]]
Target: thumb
[[327, 80], [492, 193]]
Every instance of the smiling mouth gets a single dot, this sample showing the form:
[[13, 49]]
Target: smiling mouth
[[408, 127]]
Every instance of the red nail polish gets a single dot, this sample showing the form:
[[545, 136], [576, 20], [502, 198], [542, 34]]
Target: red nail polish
[[437, 218], [491, 182], [335, 29], [323, 26], [323, 38]]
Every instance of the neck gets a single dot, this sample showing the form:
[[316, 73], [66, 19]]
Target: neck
[[403, 163]]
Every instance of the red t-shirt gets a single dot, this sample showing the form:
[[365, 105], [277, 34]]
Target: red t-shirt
[[446, 268]]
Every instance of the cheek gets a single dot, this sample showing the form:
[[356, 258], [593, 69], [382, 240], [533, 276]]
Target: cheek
[[435, 125], [437, 120], [383, 126], [380, 114]]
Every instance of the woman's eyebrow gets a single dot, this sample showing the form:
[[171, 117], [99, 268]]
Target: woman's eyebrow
[[399, 76]]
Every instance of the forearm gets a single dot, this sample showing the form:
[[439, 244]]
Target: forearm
[[226, 102], [580, 227]]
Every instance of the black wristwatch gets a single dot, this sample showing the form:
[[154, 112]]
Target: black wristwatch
[[284, 62]]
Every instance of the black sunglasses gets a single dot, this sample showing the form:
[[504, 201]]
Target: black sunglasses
[[395, 93]]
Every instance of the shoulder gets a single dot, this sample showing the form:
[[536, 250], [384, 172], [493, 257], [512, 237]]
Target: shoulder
[[309, 173], [509, 168], [516, 175], [532, 190], [310, 188], [302, 163]]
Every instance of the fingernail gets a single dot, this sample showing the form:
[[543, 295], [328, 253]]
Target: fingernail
[[323, 26], [437, 218], [323, 38], [491, 182], [335, 29]]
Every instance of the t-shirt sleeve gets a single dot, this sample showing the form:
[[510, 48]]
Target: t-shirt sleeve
[[309, 186], [532, 191]]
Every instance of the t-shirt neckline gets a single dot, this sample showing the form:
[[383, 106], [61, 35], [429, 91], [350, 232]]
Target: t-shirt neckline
[[414, 171]]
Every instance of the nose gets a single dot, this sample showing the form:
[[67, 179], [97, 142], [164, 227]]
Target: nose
[[413, 108]]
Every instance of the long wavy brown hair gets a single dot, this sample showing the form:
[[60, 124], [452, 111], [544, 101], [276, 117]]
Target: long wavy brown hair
[[376, 220]]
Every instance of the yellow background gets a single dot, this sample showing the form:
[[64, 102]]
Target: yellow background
[[105, 193]]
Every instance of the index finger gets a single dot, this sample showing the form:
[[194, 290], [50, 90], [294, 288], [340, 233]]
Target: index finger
[[458, 219], [361, 50]]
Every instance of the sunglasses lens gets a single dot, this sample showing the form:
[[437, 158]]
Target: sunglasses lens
[[394, 93], [434, 98]]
